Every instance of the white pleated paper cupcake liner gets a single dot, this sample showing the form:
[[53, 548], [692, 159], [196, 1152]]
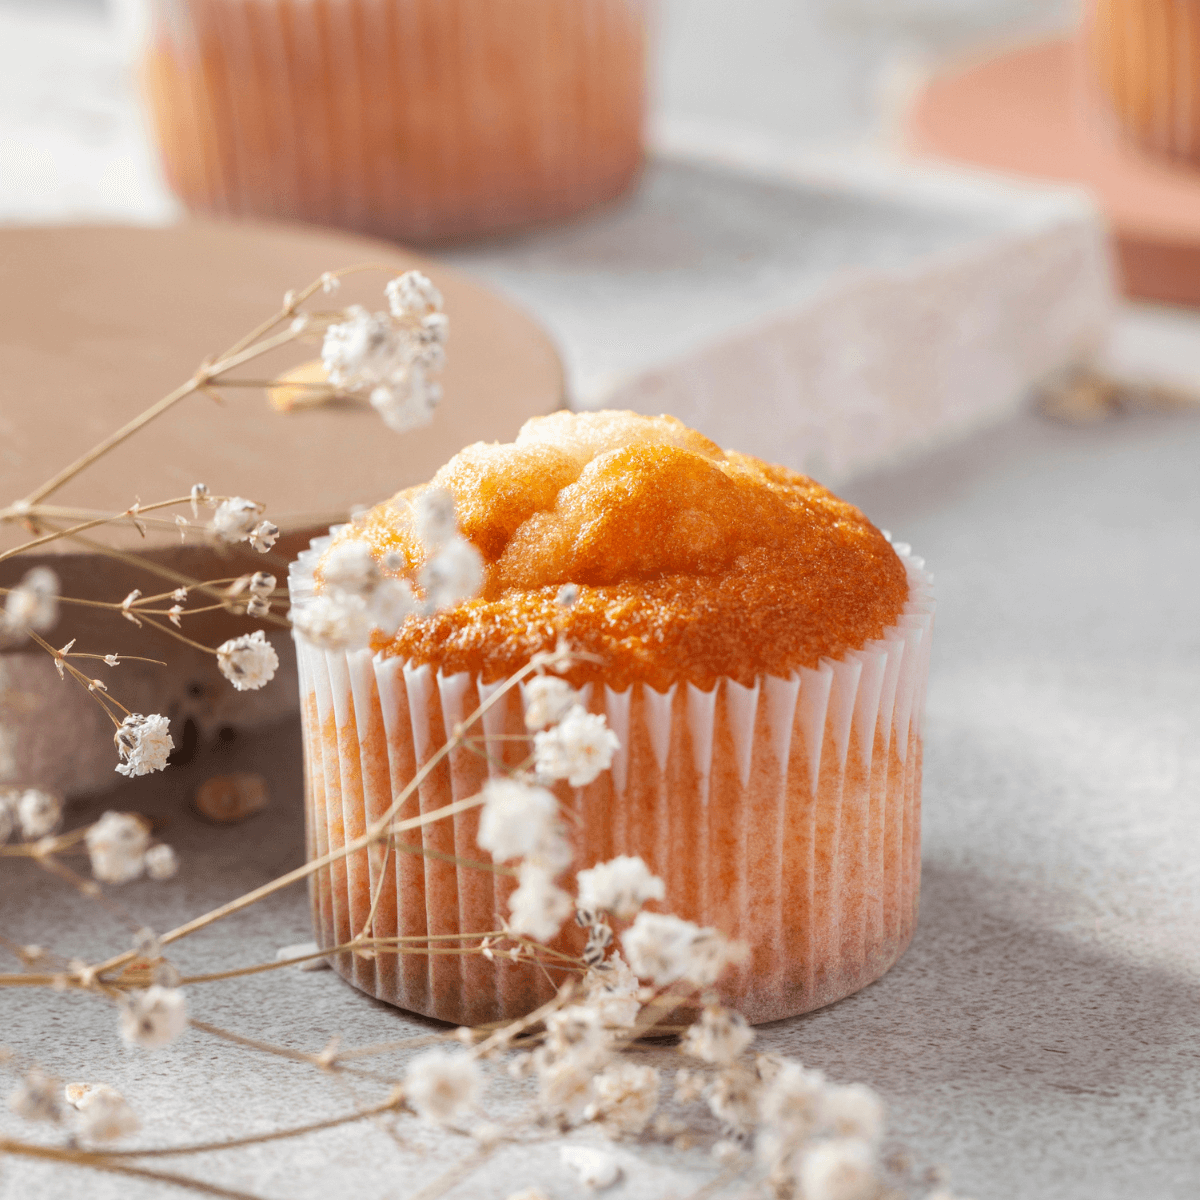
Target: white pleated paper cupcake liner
[[786, 814]]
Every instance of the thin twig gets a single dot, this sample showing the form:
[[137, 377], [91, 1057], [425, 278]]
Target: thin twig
[[103, 1162]]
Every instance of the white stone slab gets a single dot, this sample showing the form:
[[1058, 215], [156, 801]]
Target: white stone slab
[[823, 314]]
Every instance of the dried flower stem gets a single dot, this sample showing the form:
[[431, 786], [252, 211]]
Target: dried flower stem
[[390, 1105], [104, 1162]]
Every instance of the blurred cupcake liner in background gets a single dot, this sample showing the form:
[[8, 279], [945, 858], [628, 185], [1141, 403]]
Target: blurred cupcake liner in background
[[1144, 58], [786, 814], [420, 120]]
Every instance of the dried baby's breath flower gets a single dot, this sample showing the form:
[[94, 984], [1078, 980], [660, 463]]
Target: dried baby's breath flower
[[733, 1099], [263, 536], [112, 659], [839, 1169], [547, 699], [577, 749], [236, 518], [248, 662], [117, 845], [719, 1036], [852, 1111], [105, 1115], [390, 603], [262, 583], [443, 1086], [792, 1100], [199, 496], [664, 948], [36, 1097], [564, 1087], [179, 595], [412, 295], [38, 813], [79, 1094], [162, 862], [620, 886], [453, 574], [32, 606], [154, 1017], [329, 283], [174, 613], [408, 401], [432, 337], [626, 1096], [599, 939], [257, 606], [597, 1169], [613, 993], [434, 518], [520, 820], [144, 744], [539, 907], [350, 567], [368, 354], [334, 621]]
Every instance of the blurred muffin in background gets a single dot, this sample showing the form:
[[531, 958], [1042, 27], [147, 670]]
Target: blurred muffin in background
[[420, 120], [1144, 56]]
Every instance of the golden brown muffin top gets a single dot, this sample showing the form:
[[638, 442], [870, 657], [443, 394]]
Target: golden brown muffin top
[[691, 562]]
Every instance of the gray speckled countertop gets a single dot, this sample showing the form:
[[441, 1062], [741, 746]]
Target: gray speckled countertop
[[1039, 1038]]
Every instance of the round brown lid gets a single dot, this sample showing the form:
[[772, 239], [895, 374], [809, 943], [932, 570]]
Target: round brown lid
[[97, 323]]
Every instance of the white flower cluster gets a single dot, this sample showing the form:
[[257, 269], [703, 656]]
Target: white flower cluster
[[389, 357], [613, 991], [577, 749], [719, 1036], [547, 699], [153, 1017], [453, 572], [31, 811], [143, 743], [520, 820], [442, 1086], [357, 600], [823, 1137], [239, 520], [248, 662], [119, 848], [620, 886], [35, 1098], [104, 1114], [665, 948], [32, 606]]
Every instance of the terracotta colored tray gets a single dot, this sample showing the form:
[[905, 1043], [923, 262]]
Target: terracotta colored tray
[[97, 323], [1030, 113]]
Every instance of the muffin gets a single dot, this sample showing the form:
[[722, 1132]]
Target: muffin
[[1144, 57], [420, 120], [757, 646]]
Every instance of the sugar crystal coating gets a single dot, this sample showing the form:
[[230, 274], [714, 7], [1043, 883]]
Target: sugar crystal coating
[[691, 562]]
